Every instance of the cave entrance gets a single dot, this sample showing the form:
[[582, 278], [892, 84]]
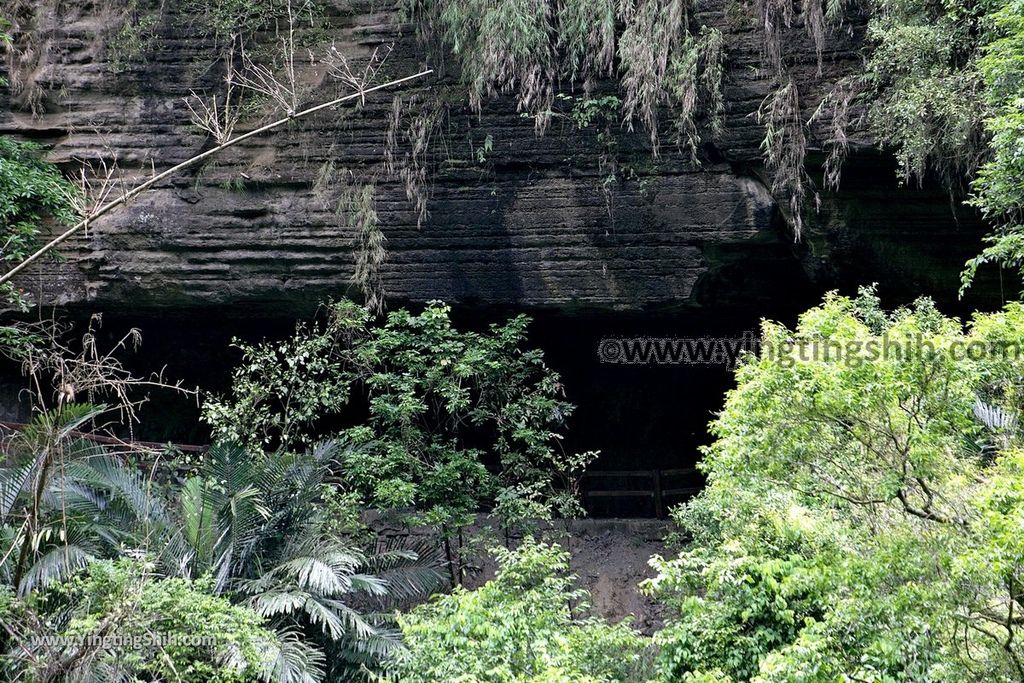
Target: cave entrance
[[650, 419]]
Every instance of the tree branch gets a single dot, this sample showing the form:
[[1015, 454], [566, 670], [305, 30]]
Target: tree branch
[[139, 189]]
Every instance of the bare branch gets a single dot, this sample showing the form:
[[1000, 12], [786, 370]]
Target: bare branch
[[142, 187]]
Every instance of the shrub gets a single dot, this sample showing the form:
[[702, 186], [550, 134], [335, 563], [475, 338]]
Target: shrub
[[442, 406], [31, 191], [517, 627], [117, 621]]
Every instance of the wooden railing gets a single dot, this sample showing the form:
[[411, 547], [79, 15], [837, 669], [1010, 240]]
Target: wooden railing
[[656, 489], [112, 441]]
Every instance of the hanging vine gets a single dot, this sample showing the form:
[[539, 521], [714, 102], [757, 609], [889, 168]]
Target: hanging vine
[[354, 204], [666, 61], [528, 48], [785, 147], [412, 125], [359, 207]]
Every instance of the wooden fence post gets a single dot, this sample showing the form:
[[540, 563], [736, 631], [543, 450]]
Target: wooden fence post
[[659, 506]]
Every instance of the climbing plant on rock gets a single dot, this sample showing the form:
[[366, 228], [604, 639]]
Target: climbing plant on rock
[[32, 190]]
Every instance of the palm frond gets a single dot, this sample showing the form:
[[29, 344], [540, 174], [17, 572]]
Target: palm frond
[[369, 584], [198, 501], [55, 565], [334, 623], [292, 660], [371, 649], [128, 484], [275, 602], [12, 483], [997, 419], [412, 569]]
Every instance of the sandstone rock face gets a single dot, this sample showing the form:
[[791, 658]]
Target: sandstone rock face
[[522, 221]]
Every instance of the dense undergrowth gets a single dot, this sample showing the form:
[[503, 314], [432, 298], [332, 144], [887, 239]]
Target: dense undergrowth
[[102, 540]]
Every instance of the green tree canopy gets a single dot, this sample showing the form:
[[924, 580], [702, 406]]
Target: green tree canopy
[[864, 513], [436, 419]]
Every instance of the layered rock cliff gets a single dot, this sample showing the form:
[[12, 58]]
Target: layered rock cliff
[[514, 219]]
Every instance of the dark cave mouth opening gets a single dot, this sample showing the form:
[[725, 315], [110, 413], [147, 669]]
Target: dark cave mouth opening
[[648, 420], [646, 388]]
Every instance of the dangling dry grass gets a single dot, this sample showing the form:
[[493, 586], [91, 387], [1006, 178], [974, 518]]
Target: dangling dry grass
[[836, 110], [784, 147], [527, 48], [586, 39], [359, 207], [667, 62]]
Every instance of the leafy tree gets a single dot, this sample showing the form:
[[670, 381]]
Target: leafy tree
[[517, 627], [998, 191], [926, 88], [863, 512], [943, 85], [454, 419], [281, 390]]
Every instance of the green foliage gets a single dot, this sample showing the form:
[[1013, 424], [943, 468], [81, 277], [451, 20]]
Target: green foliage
[[64, 501], [586, 38], [944, 86], [863, 517], [360, 209], [260, 530], [134, 39], [430, 388], [927, 102], [117, 621], [517, 627], [784, 147], [998, 190], [733, 609], [588, 111], [31, 191], [784, 144], [230, 20], [5, 41], [507, 45], [441, 404], [262, 527], [280, 390], [664, 60]]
